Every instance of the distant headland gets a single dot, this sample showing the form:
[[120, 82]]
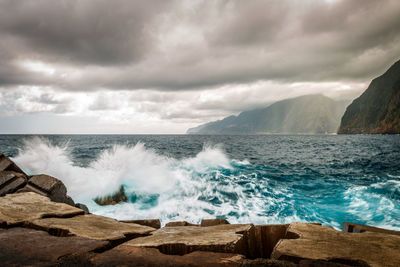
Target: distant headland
[[376, 111]]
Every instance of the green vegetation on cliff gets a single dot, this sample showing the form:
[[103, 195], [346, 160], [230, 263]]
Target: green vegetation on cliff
[[377, 110], [304, 114]]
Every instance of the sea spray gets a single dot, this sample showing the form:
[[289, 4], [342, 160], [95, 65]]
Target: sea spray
[[257, 179]]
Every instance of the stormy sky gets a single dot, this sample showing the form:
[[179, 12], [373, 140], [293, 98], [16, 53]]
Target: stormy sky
[[99, 66]]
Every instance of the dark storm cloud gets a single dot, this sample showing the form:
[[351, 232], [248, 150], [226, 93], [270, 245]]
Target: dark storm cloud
[[88, 32], [168, 45]]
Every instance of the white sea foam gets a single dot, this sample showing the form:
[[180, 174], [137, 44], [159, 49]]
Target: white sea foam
[[134, 166], [178, 185], [375, 208], [204, 186]]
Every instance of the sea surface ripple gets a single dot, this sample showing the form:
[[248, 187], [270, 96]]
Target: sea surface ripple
[[261, 179]]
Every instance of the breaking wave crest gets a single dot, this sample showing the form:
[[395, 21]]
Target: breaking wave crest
[[209, 185]]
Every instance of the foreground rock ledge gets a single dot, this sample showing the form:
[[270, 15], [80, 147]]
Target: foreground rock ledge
[[324, 243], [22, 246], [23, 208], [180, 240], [92, 226], [137, 256]]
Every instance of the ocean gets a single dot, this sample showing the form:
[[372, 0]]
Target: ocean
[[260, 179]]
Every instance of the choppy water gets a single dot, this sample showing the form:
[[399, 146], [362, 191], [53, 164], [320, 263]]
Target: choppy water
[[259, 179]]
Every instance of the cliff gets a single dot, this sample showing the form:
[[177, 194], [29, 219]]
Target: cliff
[[306, 114], [377, 110]]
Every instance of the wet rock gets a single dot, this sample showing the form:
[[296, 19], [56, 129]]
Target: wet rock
[[267, 263], [82, 207], [137, 256], [322, 243], [180, 223], [28, 247], [180, 240], [11, 181], [21, 208], [113, 199], [333, 263], [267, 236], [155, 223], [212, 222], [7, 164], [359, 228], [92, 226], [48, 186]]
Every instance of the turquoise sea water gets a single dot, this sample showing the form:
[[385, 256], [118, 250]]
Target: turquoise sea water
[[257, 178]]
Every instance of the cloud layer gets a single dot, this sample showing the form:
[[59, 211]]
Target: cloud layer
[[179, 63]]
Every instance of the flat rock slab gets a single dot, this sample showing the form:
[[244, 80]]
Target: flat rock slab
[[323, 243], [92, 226], [359, 228], [137, 256], [22, 246], [180, 240], [22, 208]]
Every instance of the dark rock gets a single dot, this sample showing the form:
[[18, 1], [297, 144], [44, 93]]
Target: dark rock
[[267, 263], [377, 110], [82, 207], [136, 256], [155, 223], [359, 228], [11, 181], [212, 222], [28, 247], [51, 187], [180, 223], [7, 164], [180, 240], [113, 199], [267, 236], [331, 263]]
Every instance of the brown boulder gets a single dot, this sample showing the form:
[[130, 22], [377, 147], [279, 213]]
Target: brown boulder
[[180, 223], [92, 226], [28, 247], [155, 223], [212, 222], [20, 208], [137, 256], [11, 181], [82, 207], [7, 164], [322, 243], [48, 186], [180, 240]]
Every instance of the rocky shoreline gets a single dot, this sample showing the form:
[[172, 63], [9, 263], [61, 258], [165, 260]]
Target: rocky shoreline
[[40, 225]]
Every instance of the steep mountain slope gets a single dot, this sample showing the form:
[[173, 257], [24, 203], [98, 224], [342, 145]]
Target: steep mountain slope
[[305, 114], [377, 110]]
